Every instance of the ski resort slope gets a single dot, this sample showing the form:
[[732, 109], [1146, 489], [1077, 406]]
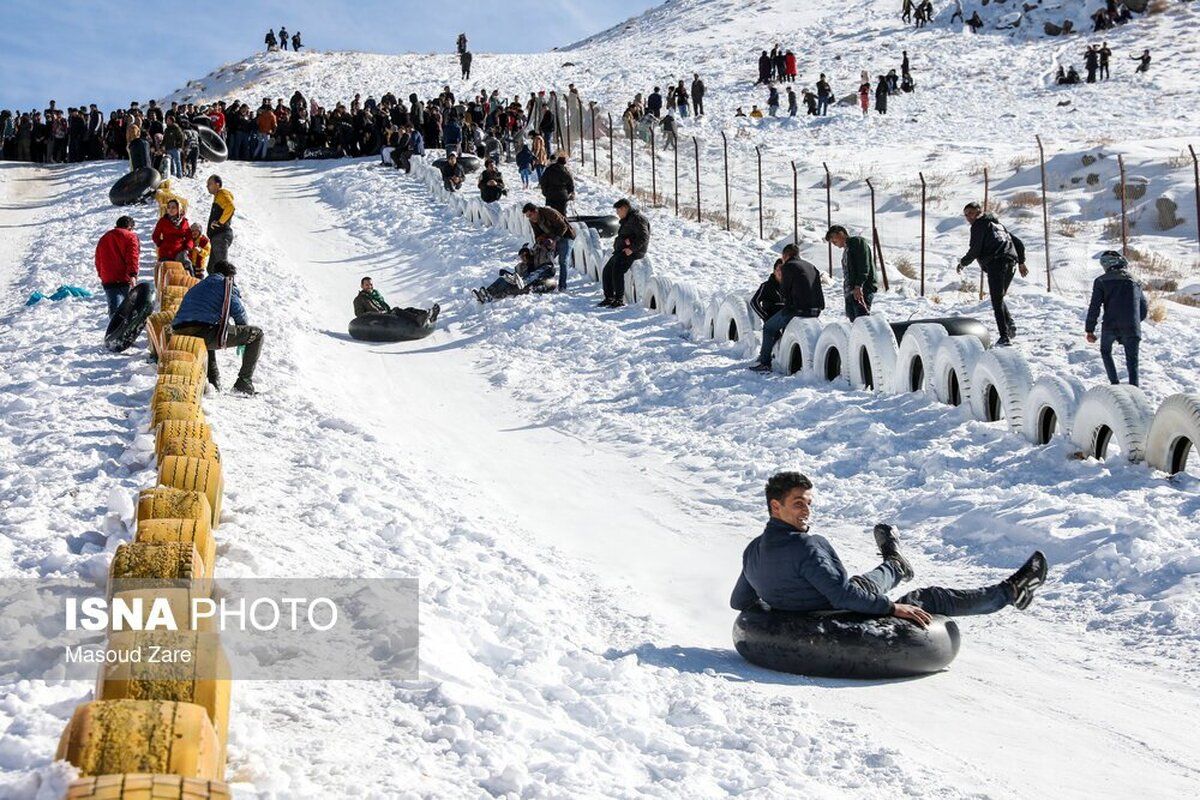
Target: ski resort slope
[[573, 490]]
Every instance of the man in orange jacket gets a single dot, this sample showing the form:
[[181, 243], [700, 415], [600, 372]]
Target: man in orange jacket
[[117, 255]]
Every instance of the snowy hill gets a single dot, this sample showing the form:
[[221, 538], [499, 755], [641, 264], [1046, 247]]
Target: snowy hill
[[573, 487]]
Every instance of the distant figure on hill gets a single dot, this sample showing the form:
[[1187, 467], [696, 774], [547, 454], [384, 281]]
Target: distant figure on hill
[[864, 97], [283, 38], [906, 11], [975, 22], [1091, 62], [697, 94], [958, 12], [270, 41], [1105, 57], [296, 43], [764, 68], [881, 94], [773, 101], [1143, 62], [461, 43], [464, 60]]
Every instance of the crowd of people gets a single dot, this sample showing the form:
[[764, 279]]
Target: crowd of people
[[1097, 62], [778, 69], [281, 42]]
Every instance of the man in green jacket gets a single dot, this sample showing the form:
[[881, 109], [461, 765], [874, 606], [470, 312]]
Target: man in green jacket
[[858, 271]]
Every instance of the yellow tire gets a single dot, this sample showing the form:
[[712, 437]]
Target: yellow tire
[[183, 391], [163, 267], [172, 294], [189, 412], [158, 331], [181, 364], [180, 277], [171, 306], [175, 429], [147, 787], [185, 531], [194, 474], [168, 503], [187, 446], [203, 680], [111, 737], [168, 379], [190, 344], [154, 561]]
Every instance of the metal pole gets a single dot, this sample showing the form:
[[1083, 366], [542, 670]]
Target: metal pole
[[725, 155], [582, 148], [795, 206], [653, 170], [675, 155], [567, 103], [595, 162], [1045, 210], [758, 155], [1124, 211], [611, 175], [632, 164], [1196, 177], [696, 148], [921, 175], [828, 213], [875, 239], [987, 185]]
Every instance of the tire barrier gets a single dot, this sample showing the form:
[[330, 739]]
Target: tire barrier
[[135, 187], [195, 533], [162, 270], [655, 293], [953, 367], [1000, 385], [1174, 433], [158, 331], [131, 316], [182, 411], [919, 343], [184, 392], [831, 351], [843, 644], [388, 328], [194, 474], [147, 787], [110, 737], [734, 319], [156, 561], [191, 448], [953, 326], [797, 347], [1108, 414], [871, 360], [1050, 408], [165, 502]]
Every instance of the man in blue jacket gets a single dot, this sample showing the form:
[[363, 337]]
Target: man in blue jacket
[[788, 568], [1124, 305], [205, 312]]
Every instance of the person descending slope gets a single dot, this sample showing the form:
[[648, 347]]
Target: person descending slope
[[370, 301], [999, 254]]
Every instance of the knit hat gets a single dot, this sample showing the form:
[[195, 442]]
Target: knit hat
[[1111, 259]]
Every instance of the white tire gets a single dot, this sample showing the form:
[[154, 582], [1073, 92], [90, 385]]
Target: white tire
[[654, 295], [641, 272], [732, 323], [1174, 433], [1050, 408], [831, 353], [1108, 414], [708, 322], [915, 357], [796, 348], [953, 367], [1000, 385], [872, 353], [680, 303]]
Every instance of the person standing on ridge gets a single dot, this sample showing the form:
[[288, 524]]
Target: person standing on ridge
[[464, 61], [858, 271], [296, 43], [220, 219], [999, 254], [283, 38]]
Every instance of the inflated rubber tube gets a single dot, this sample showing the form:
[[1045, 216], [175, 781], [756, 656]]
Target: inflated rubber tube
[[955, 326], [135, 186], [843, 644], [469, 164], [211, 145], [387, 328], [604, 224], [127, 323]]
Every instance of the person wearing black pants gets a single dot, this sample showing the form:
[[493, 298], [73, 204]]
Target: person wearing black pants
[[633, 237], [220, 234], [1000, 254], [206, 311]]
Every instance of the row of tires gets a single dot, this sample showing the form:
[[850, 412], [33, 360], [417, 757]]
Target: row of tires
[[996, 385], [149, 734]]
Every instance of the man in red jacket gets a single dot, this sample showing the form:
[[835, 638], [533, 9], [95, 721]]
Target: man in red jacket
[[173, 235], [117, 255]]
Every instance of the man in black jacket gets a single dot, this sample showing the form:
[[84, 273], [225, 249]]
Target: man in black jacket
[[697, 94], [1124, 306], [999, 254], [767, 300], [452, 173], [557, 185], [802, 295], [633, 237]]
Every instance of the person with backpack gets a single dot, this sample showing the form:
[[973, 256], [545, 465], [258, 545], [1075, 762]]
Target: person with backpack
[[801, 295], [629, 245], [999, 254], [858, 271], [1121, 299], [296, 43], [117, 256], [205, 312], [270, 40]]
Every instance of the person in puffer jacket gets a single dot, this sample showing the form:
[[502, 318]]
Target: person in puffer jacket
[[206, 311], [117, 255], [173, 235], [1123, 302]]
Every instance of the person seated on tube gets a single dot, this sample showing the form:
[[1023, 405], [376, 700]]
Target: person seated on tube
[[370, 301], [790, 568], [535, 273]]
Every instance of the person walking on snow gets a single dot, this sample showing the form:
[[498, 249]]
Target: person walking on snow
[[881, 95], [793, 104], [525, 165], [1105, 57], [864, 97], [697, 95], [858, 271], [790, 568], [630, 244], [220, 219], [824, 96], [773, 101], [1091, 61], [464, 61], [1119, 296], [117, 256], [1000, 254], [802, 295], [205, 312]]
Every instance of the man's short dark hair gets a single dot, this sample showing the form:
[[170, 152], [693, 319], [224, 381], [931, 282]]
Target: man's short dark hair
[[216, 179], [781, 484], [972, 206], [834, 230], [790, 250], [365, 279], [125, 222], [622, 203], [525, 209], [223, 268]]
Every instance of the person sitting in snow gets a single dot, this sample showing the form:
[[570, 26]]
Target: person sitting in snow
[[790, 568], [370, 301], [535, 273], [452, 173], [201, 249], [491, 182]]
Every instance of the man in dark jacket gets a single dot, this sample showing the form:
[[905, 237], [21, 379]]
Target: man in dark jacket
[[802, 295], [557, 185], [370, 301], [767, 300], [1124, 305], [999, 254], [788, 568], [117, 255], [491, 182], [632, 239], [464, 61], [205, 312], [697, 94], [858, 271], [764, 68], [549, 224], [452, 173]]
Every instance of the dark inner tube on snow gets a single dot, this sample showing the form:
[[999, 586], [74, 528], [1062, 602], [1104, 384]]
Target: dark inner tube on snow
[[843, 644], [468, 163], [126, 324], [604, 224], [134, 186], [955, 326], [212, 146], [388, 328]]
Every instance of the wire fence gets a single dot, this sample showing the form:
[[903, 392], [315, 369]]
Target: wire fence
[[1065, 205]]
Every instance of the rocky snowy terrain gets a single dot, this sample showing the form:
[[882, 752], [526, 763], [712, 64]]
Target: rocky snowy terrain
[[573, 487]]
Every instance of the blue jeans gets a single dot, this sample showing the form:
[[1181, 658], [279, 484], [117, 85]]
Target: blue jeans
[[176, 157], [116, 294], [526, 174], [822, 105], [563, 250], [936, 599], [264, 144], [772, 331], [1130, 343]]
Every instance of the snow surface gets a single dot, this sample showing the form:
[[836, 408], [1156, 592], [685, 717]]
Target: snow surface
[[573, 488]]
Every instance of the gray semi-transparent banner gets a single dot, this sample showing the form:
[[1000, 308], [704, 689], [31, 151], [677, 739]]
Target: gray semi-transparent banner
[[241, 629]]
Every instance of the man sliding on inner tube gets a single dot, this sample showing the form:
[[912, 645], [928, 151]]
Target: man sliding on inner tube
[[788, 568], [370, 301]]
